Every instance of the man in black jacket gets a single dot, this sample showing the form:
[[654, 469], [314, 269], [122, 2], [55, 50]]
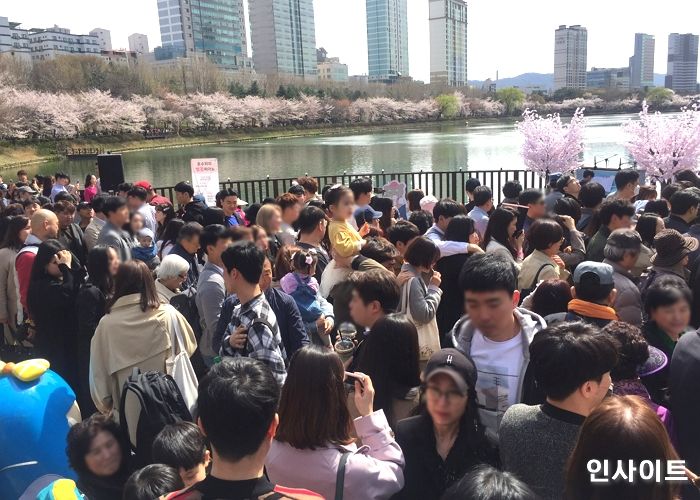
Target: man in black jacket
[[69, 232], [684, 210], [685, 402], [187, 247], [190, 210]]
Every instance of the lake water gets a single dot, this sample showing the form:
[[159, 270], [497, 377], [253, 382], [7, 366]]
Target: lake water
[[480, 146]]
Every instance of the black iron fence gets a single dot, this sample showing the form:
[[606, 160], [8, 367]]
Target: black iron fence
[[439, 184]]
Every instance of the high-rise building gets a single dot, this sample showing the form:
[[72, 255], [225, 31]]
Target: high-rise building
[[682, 68], [387, 40], [104, 37], [570, 57], [642, 62], [212, 27], [284, 37], [138, 43], [448, 42]]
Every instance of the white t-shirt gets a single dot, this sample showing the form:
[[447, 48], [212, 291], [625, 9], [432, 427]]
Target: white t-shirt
[[498, 366]]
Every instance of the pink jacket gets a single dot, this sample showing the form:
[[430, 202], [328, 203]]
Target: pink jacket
[[374, 470]]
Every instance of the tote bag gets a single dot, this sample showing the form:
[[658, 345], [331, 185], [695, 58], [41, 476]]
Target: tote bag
[[428, 333], [179, 366]]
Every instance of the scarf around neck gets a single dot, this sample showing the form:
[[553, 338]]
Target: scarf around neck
[[591, 310]]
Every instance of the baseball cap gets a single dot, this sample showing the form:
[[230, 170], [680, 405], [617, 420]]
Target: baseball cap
[[553, 179], [625, 239], [427, 203], [455, 365], [26, 189], [372, 214], [296, 190], [671, 246], [143, 184], [656, 362], [604, 272]]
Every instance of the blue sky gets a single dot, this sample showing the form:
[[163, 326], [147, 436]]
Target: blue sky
[[511, 36]]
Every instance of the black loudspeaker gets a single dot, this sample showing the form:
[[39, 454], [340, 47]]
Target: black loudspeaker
[[111, 170]]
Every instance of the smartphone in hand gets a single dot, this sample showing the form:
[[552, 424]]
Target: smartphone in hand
[[351, 377]]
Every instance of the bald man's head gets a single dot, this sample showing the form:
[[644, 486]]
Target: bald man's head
[[45, 225]]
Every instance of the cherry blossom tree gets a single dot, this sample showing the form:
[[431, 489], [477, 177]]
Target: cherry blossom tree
[[665, 144], [549, 145]]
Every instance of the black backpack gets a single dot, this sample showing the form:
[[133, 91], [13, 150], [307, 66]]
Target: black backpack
[[161, 404], [186, 305]]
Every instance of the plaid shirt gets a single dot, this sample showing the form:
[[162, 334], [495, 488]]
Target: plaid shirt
[[263, 344]]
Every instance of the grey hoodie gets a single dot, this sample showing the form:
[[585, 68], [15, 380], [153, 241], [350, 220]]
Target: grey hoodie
[[530, 323]]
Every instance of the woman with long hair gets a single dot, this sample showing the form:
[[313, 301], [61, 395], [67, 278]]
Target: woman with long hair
[[445, 439], [269, 218], [91, 303], [90, 190], [164, 214], [315, 432], [168, 237], [99, 454], [18, 228], [51, 299], [622, 430], [136, 331], [390, 357], [502, 236], [461, 228]]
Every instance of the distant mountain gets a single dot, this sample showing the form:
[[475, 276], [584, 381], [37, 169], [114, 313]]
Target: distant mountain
[[543, 80]]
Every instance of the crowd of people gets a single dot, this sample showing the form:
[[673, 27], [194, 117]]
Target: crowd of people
[[320, 346]]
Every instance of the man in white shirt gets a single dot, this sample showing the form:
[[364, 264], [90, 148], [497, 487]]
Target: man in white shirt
[[137, 200], [443, 213], [483, 203], [496, 335]]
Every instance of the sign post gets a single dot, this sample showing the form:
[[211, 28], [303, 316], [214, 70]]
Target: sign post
[[205, 178]]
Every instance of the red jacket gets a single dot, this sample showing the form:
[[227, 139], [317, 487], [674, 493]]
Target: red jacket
[[23, 265]]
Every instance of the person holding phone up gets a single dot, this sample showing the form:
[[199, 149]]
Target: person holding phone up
[[318, 446]]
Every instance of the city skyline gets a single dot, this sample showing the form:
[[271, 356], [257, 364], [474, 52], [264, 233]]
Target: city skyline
[[341, 29]]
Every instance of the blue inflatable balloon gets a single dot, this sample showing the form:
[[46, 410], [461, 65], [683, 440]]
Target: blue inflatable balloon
[[33, 429]]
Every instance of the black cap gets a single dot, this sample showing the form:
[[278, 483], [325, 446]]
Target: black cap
[[296, 190], [453, 363]]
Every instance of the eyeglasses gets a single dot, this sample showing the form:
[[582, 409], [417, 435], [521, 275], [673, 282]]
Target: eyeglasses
[[435, 394]]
